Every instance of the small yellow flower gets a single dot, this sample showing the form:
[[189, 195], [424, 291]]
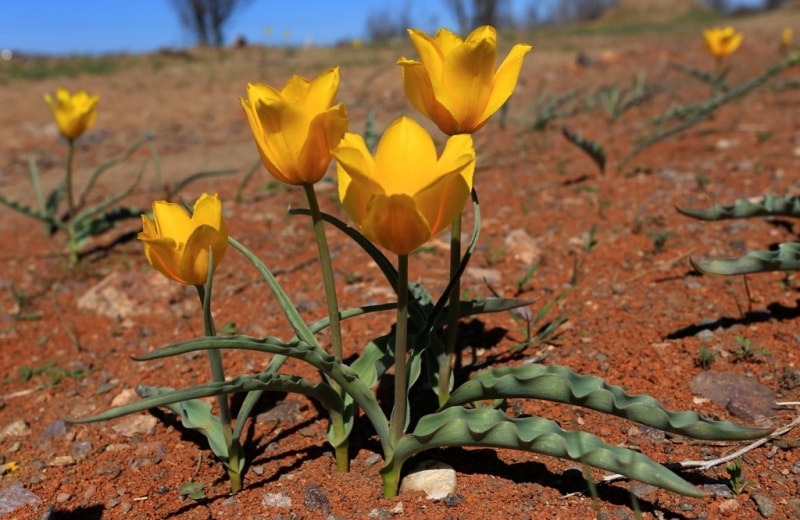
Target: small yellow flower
[[74, 113], [455, 83], [787, 35], [176, 244], [405, 194], [297, 127], [722, 41], [8, 467]]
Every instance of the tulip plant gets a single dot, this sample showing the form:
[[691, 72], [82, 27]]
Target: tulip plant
[[75, 114], [398, 198], [785, 258]]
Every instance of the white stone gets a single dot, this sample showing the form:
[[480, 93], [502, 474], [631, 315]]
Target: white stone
[[523, 247], [136, 425], [127, 396], [272, 500], [436, 479]]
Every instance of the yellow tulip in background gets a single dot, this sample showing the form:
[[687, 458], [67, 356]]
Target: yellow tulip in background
[[722, 41], [74, 113], [455, 83], [176, 244], [405, 194], [297, 127], [787, 35]]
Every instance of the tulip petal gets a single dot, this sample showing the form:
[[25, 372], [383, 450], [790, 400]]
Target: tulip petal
[[165, 257], [322, 92], [394, 223], [485, 32], [429, 50], [172, 221], [324, 134], [505, 79], [423, 96], [354, 167], [405, 158], [261, 145], [194, 263], [468, 77], [285, 127], [444, 199], [208, 211], [295, 90]]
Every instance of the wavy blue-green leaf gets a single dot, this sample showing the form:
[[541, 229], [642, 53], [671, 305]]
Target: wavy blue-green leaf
[[492, 428], [785, 258], [768, 206], [322, 392], [346, 377], [196, 415], [560, 384], [591, 148]]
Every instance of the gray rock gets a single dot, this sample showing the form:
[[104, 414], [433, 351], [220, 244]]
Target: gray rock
[[273, 500], [720, 490], [794, 506], [379, 513], [316, 499], [742, 396], [14, 496], [523, 247], [124, 294], [705, 335], [15, 429], [435, 478], [136, 425], [765, 505], [54, 429]]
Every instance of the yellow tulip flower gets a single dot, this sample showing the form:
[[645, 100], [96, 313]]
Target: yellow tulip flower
[[296, 128], [722, 41], [455, 84], [177, 244], [405, 194], [74, 113], [787, 36]]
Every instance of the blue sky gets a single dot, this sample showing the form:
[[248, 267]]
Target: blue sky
[[99, 26], [103, 26]]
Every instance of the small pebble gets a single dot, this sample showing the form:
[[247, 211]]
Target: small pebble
[[90, 491], [105, 388], [373, 459], [276, 500], [316, 499], [63, 497], [436, 479], [765, 505], [54, 429], [453, 500], [380, 513], [15, 429], [81, 450], [61, 460], [136, 425]]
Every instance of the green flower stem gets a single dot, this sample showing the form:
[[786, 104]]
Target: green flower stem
[[70, 195], [218, 376], [445, 371], [342, 456], [400, 349], [72, 243]]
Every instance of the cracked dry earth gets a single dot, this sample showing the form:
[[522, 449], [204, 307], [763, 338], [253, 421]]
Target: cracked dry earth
[[637, 313]]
